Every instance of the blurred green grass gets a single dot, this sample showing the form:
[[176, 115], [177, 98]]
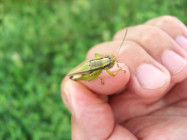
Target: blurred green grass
[[40, 41]]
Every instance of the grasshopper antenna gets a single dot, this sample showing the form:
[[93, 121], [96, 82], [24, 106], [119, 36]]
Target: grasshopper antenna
[[123, 40]]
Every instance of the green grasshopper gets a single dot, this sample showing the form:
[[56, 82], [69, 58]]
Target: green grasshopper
[[92, 69]]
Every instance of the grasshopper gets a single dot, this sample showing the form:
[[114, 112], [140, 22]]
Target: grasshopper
[[91, 70]]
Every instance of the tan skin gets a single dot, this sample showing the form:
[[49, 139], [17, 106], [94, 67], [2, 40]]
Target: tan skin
[[147, 102]]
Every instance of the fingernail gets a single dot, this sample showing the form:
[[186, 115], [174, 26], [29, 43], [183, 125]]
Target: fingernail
[[150, 77], [67, 92], [172, 61], [182, 41]]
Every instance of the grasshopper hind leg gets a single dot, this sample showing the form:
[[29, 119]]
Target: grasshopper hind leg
[[90, 77], [121, 68], [95, 75], [117, 63], [112, 73], [101, 80]]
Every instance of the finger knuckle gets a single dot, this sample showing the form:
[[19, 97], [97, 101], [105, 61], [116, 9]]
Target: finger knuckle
[[146, 38], [165, 20]]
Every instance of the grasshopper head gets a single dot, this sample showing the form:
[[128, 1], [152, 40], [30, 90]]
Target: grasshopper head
[[112, 59]]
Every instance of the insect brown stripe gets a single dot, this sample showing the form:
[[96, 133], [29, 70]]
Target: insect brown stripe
[[98, 64]]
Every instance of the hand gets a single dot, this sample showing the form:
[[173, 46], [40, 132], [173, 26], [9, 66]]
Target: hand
[[149, 101]]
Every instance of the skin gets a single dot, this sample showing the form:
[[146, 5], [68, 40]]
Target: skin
[[123, 108]]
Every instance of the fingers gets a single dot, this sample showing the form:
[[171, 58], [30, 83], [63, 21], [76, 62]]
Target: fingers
[[148, 77], [160, 45], [173, 27], [156, 42], [169, 24], [92, 118], [163, 49]]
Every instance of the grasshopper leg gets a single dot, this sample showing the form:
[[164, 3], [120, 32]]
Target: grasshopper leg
[[101, 80], [113, 74], [91, 76], [95, 75], [97, 55], [117, 63]]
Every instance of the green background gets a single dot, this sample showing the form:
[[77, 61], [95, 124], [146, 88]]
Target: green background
[[40, 41]]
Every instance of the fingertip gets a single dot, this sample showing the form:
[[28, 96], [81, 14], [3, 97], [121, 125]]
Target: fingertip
[[150, 81], [144, 92]]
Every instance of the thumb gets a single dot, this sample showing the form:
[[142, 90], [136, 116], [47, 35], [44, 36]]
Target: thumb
[[90, 112], [92, 118]]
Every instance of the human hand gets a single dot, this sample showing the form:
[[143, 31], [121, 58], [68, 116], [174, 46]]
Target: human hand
[[149, 100]]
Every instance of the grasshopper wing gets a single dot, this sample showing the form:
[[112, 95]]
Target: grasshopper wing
[[83, 69]]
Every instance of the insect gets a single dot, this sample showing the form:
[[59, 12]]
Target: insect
[[92, 69]]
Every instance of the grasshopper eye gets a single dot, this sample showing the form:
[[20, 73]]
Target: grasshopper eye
[[110, 57]]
